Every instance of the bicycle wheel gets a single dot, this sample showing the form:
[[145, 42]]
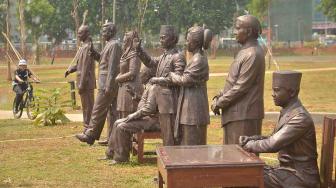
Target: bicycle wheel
[[17, 114], [30, 105]]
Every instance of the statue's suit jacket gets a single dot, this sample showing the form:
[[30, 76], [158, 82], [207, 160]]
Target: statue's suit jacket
[[85, 68], [109, 60], [169, 61], [243, 94]]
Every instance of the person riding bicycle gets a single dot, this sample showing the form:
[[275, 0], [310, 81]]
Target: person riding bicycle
[[20, 84]]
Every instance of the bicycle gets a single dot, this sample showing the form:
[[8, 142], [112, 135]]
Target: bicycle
[[26, 102]]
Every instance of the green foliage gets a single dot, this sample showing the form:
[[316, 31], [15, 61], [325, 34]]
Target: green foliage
[[329, 8], [258, 8], [49, 107], [61, 20], [38, 14], [216, 14], [2, 14]]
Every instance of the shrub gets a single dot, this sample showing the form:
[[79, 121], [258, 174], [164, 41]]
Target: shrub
[[49, 107]]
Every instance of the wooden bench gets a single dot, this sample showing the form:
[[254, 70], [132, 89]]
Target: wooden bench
[[327, 165], [138, 145]]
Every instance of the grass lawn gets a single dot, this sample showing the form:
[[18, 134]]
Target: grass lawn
[[317, 87], [68, 163]]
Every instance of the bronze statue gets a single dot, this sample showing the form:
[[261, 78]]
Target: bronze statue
[[242, 100], [120, 141], [86, 77], [293, 138], [128, 78], [193, 108], [166, 97], [107, 87]]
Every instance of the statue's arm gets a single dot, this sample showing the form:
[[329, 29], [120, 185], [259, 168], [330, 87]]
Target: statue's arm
[[289, 133], [246, 79], [147, 60], [134, 68]]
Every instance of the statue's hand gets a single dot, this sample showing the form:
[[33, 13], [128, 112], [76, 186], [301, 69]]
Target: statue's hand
[[248, 146], [130, 90], [243, 140], [137, 45], [215, 109], [158, 80], [130, 117], [66, 74], [117, 122]]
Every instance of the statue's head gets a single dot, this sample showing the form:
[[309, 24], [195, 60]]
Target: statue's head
[[168, 36], [247, 27], [109, 30], [286, 86], [83, 32], [130, 40], [198, 38]]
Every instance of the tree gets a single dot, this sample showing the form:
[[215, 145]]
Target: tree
[[3, 6], [9, 74], [38, 14], [61, 21], [22, 28], [329, 8], [74, 13], [216, 14], [259, 8]]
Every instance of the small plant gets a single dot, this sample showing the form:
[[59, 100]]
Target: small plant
[[49, 107]]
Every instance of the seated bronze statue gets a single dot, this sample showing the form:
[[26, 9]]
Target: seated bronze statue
[[293, 138], [119, 145]]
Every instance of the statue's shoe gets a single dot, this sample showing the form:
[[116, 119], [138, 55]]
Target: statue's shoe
[[85, 138], [114, 162], [105, 158], [103, 142]]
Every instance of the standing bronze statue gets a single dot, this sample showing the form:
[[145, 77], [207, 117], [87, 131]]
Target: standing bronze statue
[[129, 78], [120, 141], [293, 138], [107, 87], [166, 97], [193, 107], [86, 77], [242, 100]]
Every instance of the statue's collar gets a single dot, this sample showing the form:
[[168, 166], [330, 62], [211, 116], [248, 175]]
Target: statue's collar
[[250, 43]]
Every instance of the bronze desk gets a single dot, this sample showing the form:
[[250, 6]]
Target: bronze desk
[[206, 166]]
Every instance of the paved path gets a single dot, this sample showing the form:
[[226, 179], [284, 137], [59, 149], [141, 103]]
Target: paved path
[[4, 114], [271, 116], [269, 72]]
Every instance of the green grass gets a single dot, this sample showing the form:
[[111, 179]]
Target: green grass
[[68, 163]]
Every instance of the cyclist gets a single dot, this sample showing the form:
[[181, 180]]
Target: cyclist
[[20, 84]]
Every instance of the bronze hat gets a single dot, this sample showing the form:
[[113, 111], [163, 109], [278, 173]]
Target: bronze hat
[[167, 29], [287, 79]]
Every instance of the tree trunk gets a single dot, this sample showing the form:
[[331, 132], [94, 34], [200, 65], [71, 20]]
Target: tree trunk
[[22, 28], [102, 42], [37, 50], [9, 71], [74, 14]]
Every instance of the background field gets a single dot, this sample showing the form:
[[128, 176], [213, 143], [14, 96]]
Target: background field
[[317, 88]]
